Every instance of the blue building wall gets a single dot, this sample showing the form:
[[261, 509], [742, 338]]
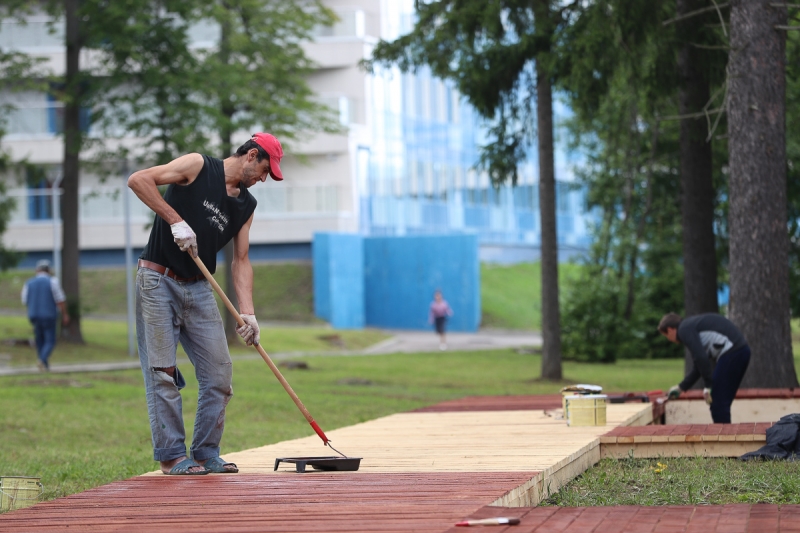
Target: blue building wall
[[389, 281], [339, 279]]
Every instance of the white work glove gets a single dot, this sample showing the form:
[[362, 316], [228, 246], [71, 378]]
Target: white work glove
[[184, 237], [249, 333], [674, 392], [707, 395]]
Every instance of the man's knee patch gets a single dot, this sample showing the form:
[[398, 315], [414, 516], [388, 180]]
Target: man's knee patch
[[170, 371], [170, 375]]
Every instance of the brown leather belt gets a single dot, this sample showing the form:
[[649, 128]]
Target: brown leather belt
[[143, 263]]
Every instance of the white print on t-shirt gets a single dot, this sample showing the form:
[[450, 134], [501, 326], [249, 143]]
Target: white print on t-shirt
[[218, 219], [715, 343]]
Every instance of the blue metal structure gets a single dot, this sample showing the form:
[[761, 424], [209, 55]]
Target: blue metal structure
[[339, 279], [393, 285]]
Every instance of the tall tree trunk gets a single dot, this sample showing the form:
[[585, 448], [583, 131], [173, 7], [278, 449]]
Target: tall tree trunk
[[759, 264], [71, 171], [226, 135], [551, 316], [230, 288], [697, 186]]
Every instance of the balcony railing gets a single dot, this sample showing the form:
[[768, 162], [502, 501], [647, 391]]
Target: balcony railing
[[103, 204]]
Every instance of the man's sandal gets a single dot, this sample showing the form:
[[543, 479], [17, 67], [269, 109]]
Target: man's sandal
[[182, 469], [216, 465]]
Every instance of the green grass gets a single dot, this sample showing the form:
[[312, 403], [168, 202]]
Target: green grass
[[284, 292], [511, 294], [281, 292], [78, 431], [107, 341], [692, 481]]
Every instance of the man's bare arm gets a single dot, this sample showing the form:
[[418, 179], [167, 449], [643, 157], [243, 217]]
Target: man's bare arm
[[242, 269], [181, 171]]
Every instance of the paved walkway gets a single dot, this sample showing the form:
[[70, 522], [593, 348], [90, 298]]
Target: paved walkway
[[423, 341], [399, 342]]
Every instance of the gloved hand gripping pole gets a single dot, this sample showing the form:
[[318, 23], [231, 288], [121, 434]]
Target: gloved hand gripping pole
[[265, 357]]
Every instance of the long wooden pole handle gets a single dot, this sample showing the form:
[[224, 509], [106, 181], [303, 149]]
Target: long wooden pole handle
[[264, 356]]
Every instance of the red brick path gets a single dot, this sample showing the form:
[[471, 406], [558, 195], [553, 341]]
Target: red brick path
[[687, 433], [739, 518]]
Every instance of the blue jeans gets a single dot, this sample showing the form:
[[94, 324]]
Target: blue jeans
[[44, 331], [168, 312], [725, 382]]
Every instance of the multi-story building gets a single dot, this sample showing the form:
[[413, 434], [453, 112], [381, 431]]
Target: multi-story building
[[405, 165]]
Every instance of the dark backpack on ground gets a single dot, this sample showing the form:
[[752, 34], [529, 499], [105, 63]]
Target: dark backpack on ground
[[783, 441]]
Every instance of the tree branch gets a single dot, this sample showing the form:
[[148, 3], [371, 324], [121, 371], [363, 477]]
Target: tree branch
[[699, 114], [721, 20], [694, 13], [710, 46]]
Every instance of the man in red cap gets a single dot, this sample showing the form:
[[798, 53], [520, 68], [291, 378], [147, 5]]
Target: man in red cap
[[175, 303]]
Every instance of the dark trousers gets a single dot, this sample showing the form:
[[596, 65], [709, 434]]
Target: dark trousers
[[725, 381], [44, 330]]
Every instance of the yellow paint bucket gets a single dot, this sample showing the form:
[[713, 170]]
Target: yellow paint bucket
[[580, 389], [585, 410], [18, 492]]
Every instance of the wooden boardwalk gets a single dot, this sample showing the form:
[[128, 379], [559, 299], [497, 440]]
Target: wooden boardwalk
[[421, 471]]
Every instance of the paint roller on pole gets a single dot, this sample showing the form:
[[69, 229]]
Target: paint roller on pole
[[264, 356]]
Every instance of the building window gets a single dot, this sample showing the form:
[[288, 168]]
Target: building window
[[55, 117], [40, 203]]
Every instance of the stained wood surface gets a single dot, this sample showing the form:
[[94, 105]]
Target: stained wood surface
[[496, 403], [745, 394], [420, 472], [340, 502]]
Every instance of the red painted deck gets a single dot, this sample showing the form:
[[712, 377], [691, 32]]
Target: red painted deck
[[739, 518], [319, 502], [518, 403], [747, 394], [496, 403], [687, 432]]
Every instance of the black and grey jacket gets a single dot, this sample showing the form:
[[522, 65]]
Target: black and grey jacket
[[707, 337]]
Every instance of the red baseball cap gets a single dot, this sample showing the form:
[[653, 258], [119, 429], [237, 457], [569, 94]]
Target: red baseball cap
[[272, 146]]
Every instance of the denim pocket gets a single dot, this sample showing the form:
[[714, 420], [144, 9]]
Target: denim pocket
[[149, 279]]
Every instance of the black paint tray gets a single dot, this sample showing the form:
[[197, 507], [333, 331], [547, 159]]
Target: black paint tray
[[329, 464]]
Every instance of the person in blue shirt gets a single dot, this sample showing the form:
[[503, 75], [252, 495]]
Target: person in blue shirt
[[44, 297]]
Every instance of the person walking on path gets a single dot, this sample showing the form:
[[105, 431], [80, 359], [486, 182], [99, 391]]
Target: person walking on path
[[710, 338], [437, 316], [44, 297], [206, 204]]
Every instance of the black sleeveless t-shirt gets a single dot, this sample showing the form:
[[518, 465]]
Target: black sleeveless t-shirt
[[213, 215]]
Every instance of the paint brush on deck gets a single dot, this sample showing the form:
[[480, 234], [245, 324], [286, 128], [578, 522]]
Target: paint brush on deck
[[490, 522]]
